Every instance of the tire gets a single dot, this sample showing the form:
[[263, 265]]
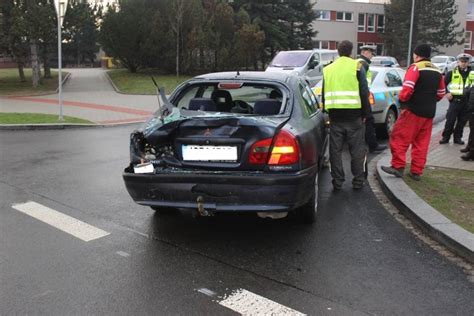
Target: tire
[[390, 121], [325, 157], [306, 214], [162, 210]]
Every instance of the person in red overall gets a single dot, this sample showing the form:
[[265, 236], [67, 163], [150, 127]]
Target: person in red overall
[[422, 87]]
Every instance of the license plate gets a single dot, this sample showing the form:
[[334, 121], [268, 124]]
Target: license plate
[[209, 153]]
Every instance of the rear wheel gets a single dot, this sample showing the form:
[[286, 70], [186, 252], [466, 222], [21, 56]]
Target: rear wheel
[[390, 120], [162, 210], [306, 214]]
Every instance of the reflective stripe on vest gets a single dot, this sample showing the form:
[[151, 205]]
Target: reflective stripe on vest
[[368, 73], [457, 84], [341, 87]]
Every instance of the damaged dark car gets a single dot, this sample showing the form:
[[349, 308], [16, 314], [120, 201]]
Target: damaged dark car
[[232, 142]]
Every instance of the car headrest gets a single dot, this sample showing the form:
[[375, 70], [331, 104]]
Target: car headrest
[[223, 100], [203, 104], [267, 107], [275, 94]]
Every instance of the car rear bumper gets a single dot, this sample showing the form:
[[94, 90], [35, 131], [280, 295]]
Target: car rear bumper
[[217, 191]]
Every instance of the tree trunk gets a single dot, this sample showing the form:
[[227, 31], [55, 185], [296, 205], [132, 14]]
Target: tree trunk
[[35, 67], [21, 71], [46, 66], [177, 51]]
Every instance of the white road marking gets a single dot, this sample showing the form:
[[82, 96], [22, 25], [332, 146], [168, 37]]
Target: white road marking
[[61, 221], [123, 253], [248, 303], [207, 292]]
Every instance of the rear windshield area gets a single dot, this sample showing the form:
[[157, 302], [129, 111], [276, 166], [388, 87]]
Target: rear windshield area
[[242, 98]]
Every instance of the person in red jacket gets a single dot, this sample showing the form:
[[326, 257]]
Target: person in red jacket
[[422, 87]]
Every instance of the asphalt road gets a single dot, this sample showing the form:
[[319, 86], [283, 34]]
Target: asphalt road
[[356, 259]]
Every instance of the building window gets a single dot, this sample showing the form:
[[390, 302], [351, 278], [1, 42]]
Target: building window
[[344, 16], [361, 23], [380, 23], [371, 23], [323, 15], [467, 40], [321, 44]]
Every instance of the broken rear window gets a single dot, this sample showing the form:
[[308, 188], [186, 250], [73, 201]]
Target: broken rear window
[[246, 98]]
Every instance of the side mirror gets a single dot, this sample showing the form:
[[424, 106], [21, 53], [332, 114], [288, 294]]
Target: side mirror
[[313, 64]]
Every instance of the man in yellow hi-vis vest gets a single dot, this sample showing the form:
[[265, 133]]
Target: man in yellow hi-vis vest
[[346, 99], [456, 81]]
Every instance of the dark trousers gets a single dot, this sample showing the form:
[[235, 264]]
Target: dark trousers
[[470, 143], [456, 119], [353, 133], [370, 137]]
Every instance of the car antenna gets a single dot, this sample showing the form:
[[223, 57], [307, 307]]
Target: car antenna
[[238, 72]]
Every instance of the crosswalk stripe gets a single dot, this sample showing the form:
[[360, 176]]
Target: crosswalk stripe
[[61, 221], [248, 303]]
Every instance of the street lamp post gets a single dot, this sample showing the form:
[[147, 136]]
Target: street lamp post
[[411, 32], [61, 6]]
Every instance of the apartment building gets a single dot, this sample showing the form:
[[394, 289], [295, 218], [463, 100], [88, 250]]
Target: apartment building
[[363, 21]]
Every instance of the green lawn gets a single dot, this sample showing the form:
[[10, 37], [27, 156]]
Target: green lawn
[[33, 118], [141, 83], [10, 83], [450, 191]]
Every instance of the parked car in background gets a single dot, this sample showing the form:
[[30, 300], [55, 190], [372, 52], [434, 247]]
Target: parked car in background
[[385, 61], [234, 141], [444, 63], [384, 90], [305, 63]]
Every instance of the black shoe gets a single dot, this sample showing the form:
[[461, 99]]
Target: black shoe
[[444, 141], [459, 141], [378, 149], [415, 176], [336, 186], [394, 171], [468, 156], [357, 185], [465, 150]]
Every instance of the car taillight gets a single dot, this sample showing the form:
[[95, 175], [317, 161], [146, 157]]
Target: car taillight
[[371, 98], [285, 150], [259, 151]]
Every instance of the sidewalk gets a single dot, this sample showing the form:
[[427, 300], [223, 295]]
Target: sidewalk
[[89, 95], [436, 225]]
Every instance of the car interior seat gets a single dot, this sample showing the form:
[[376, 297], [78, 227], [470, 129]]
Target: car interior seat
[[267, 107], [203, 104], [223, 100]]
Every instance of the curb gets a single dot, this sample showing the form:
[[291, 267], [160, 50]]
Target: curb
[[58, 126], [436, 225]]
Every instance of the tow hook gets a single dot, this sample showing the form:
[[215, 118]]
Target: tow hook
[[200, 207]]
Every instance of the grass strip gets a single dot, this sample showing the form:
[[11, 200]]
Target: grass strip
[[450, 191], [141, 83], [35, 118]]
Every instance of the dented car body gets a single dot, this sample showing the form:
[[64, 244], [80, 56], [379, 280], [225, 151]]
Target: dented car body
[[229, 142]]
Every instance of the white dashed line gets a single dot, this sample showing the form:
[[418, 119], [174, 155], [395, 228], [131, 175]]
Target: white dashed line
[[61, 221], [123, 254], [248, 303]]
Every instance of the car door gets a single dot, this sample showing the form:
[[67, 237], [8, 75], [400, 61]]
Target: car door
[[394, 83], [312, 127]]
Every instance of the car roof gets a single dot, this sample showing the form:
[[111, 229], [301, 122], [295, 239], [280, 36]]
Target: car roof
[[247, 75], [444, 56], [381, 68]]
